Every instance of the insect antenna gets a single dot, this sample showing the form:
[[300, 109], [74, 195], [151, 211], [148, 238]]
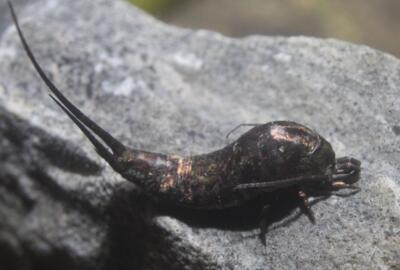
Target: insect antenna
[[73, 112], [239, 126]]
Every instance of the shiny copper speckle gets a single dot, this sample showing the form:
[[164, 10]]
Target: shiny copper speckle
[[167, 183], [184, 168], [280, 133]]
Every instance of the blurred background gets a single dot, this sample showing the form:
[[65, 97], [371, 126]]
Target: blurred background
[[375, 23]]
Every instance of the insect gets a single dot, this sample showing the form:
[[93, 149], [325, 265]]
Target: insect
[[279, 155]]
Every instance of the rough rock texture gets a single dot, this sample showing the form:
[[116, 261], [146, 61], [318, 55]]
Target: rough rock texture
[[165, 89]]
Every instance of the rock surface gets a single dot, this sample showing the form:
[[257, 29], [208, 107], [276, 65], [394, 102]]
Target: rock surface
[[165, 89]]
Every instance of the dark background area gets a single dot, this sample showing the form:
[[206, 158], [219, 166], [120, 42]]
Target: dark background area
[[373, 23]]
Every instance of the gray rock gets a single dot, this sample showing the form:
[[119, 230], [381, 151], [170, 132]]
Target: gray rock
[[165, 89], [4, 12]]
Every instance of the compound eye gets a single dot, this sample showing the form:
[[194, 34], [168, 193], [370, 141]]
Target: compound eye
[[314, 144]]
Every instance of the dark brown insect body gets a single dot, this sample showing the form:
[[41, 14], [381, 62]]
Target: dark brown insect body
[[277, 155], [266, 153]]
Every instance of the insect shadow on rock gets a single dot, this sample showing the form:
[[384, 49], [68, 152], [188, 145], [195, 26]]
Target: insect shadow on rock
[[276, 157]]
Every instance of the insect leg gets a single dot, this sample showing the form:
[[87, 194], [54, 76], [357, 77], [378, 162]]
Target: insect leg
[[263, 225], [238, 126], [345, 180], [271, 185], [305, 206], [342, 185], [346, 171], [347, 164], [110, 141]]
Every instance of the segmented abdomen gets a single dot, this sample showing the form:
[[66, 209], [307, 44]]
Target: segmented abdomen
[[202, 181]]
